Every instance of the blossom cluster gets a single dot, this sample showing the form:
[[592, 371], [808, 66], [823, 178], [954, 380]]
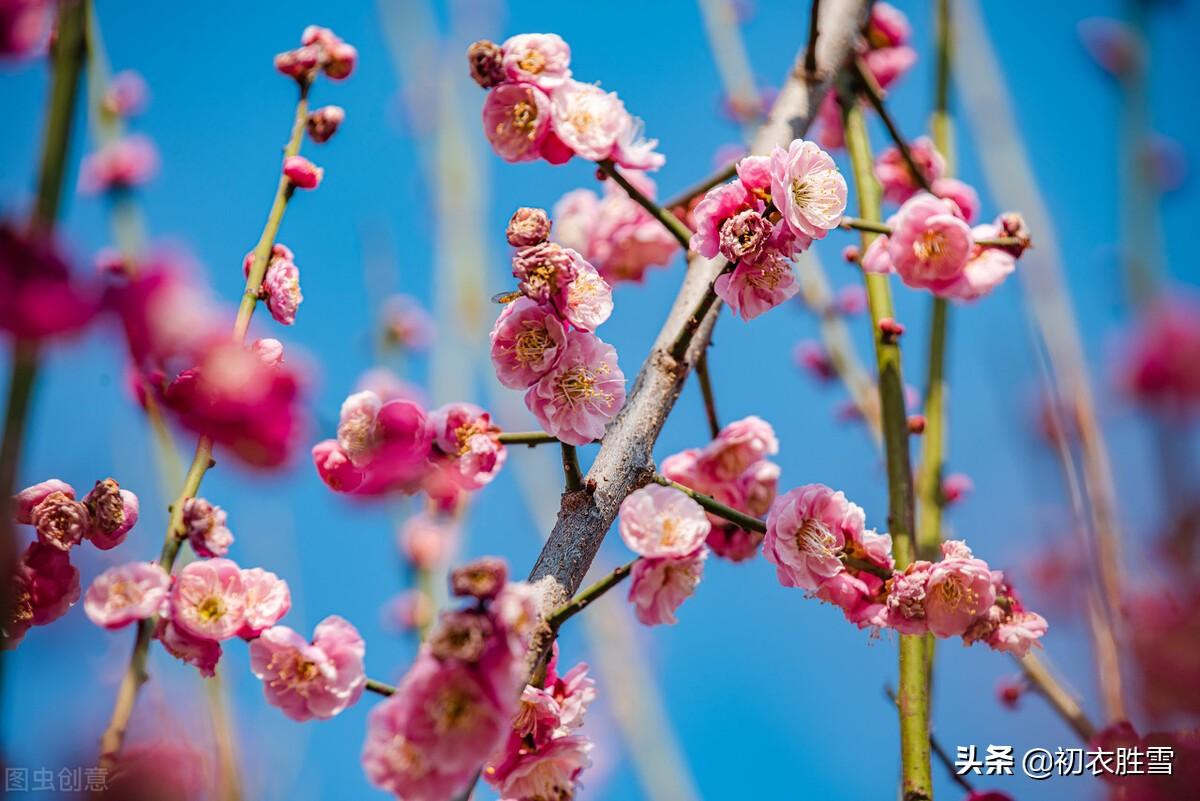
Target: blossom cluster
[[391, 444], [887, 55], [818, 541], [667, 530], [776, 208], [734, 470], [452, 710], [536, 110], [542, 755], [543, 341], [619, 237], [45, 583]]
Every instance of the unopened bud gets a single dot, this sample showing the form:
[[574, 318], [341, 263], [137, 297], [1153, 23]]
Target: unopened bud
[[486, 61], [528, 227]]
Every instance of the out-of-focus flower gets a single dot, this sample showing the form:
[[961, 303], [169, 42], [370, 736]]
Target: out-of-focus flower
[[121, 595], [324, 123], [44, 586], [126, 94], [302, 172], [121, 164], [205, 526], [1162, 369], [24, 25], [39, 297]]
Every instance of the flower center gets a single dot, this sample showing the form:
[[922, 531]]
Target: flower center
[[670, 530], [453, 709], [293, 671], [579, 385], [463, 435], [815, 539], [532, 62], [524, 118], [802, 193], [930, 246], [211, 609], [531, 344], [956, 595], [768, 276]]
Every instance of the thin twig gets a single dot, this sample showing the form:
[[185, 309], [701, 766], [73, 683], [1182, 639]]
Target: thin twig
[[571, 472], [706, 390], [874, 95], [810, 52], [740, 519], [379, 687], [587, 597], [529, 438], [878, 227], [681, 232], [685, 198], [943, 756]]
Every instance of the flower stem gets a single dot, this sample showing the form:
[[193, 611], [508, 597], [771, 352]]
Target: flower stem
[[940, 752], [875, 97], [683, 341], [571, 471], [681, 232], [877, 227], [685, 198], [379, 687], [1059, 697], [135, 675], [585, 597], [529, 438], [741, 519], [706, 390], [914, 666]]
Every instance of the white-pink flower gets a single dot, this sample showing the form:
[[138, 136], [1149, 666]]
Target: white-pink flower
[[588, 302], [267, 600], [542, 59], [657, 521], [587, 119], [582, 393], [807, 189], [757, 286], [205, 526], [208, 599], [930, 244], [316, 680], [470, 443], [985, 270], [808, 529], [123, 594], [958, 591], [660, 586], [357, 429]]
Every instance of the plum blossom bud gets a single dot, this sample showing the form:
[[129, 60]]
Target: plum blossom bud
[[486, 61], [851, 254], [335, 467], [61, 521], [28, 498], [121, 595], [268, 350], [811, 356], [1009, 691], [324, 122], [954, 487], [125, 94], [302, 172], [281, 286], [1013, 225], [482, 579], [341, 59], [461, 635], [527, 227], [114, 512], [299, 63], [916, 424], [743, 235], [890, 330], [204, 525]]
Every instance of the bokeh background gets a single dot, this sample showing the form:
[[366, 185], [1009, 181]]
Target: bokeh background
[[763, 693]]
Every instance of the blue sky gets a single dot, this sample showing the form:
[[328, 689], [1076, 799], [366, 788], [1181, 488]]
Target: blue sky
[[770, 692]]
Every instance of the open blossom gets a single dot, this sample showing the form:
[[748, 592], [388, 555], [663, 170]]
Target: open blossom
[[588, 300], [60, 520], [958, 591], [757, 286], [28, 499], [316, 680], [542, 59], [266, 600], [897, 180], [718, 205], [906, 599], [44, 586], [527, 341], [121, 595], [807, 188], [545, 271], [527, 226], [660, 586], [516, 120], [357, 429], [986, 268], [739, 444], [120, 164], [204, 524], [961, 194], [930, 244], [660, 521], [201, 652], [550, 772], [427, 741], [808, 529], [302, 172], [743, 235], [114, 511], [587, 119], [466, 435], [581, 393], [208, 599], [633, 150]]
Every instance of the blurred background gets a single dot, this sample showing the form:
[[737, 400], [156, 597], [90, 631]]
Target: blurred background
[[758, 691]]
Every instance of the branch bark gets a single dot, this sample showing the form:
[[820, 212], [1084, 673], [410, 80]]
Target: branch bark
[[624, 461]]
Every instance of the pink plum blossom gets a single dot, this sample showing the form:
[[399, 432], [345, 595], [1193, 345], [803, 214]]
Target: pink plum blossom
[[24, 25], [201, 652], [807, 188], [121, 595], [335, 467], [126, 94], [407, 324], [587, 119], [528, 226], [754, 287], [581, 393], [737, 446], [267, 600], [316, 680], [268, 350], [633, 150], [482, 579], [1017, 634], [1161, 369], [545, 271], [208, 599], [808, 529], [660, 586], [357, 430], [541, 59], [425, 540], [467, 437], [204, 524], [44, 586], [960, 194], [888, 64], [516, 120], [744, 235], [527, 341], [958, 591], [895, 176], [550, 772], [39, 297], [887, 26], [302, 172], [281, 285], [28, 499], [930, 244], [906, 599], [120, 164], [718, 205], [588, 299], [658, 521], [60, 520], [986, 268]]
